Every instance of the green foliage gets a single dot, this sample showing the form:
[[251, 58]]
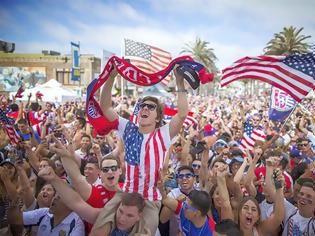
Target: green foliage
[[288, 41], [202, 53]]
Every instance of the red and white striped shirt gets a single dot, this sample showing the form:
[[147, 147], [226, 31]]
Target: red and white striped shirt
[[145, 155]]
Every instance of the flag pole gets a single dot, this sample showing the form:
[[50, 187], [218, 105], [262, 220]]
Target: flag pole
[[122, 88], [287, 119]]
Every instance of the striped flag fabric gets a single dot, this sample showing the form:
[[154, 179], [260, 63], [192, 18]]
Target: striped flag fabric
[[134, 118], [190, 121], [148, 58], [8, 125], [295, 74], [250, 136]]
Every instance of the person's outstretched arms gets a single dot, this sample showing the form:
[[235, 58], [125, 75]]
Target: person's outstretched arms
[[106, 97], [272, 223], [69, 197], [226, 208], [182, 105], [68, 160], [166, 200]]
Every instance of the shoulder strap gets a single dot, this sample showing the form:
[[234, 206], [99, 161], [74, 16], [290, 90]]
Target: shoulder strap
[[308, 226], [289, 218], [72, 224]]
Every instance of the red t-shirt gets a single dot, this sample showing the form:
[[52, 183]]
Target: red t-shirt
[[98, 198], [261, 171]]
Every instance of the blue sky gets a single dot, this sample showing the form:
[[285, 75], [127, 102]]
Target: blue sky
[[234, 28]]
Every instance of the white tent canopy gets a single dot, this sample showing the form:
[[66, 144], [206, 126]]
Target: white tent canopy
[[52, 91]]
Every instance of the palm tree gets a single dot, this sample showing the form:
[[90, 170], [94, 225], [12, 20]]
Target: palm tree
[[200, 51], [288, 41]]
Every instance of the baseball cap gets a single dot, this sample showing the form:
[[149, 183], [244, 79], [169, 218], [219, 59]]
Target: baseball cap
[[189, 75], [220, 143]]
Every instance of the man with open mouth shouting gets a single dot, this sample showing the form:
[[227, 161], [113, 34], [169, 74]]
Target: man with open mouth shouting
[[145, 147]]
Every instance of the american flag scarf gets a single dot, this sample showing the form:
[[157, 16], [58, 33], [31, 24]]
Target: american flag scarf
[[136, 76]]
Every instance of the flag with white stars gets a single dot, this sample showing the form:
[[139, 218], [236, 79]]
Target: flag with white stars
[[295, 74], [147, 58], [133, 140]]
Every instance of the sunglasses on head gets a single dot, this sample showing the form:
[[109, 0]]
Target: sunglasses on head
[[196, 166], [151, 107], [185, 176], [106, 169], [189, 207]]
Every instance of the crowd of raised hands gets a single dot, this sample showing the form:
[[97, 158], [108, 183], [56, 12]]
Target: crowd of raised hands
[[58, 166]]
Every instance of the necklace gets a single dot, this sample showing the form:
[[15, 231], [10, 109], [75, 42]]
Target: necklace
[[199, 234]]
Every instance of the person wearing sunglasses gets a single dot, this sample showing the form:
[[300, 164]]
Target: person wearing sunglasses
[[145, 147], [192, 211], [127, 215], [304, 146], [95, 195], [186, 178]]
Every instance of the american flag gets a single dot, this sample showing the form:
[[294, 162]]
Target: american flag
[[144, 158], [8, 125], [250, 136], [190, 121], [294, 74], [147, 58], [134, 118]]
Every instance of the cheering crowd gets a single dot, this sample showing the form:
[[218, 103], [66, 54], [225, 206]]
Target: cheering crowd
[[214, 166]]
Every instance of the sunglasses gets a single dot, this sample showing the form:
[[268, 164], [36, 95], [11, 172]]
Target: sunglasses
[[189, 207], [106, 169], [196, 166], [303, 144], [99, 137], [151, 107], [185, 176]]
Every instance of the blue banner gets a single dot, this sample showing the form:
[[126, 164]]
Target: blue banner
[[75, 52], [281, 105]]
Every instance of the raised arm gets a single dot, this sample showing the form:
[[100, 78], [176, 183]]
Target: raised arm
[[167, 201], [27, 193], [106, 97], [70, 198], [67, 158], [226, 208], [182, 104], [272, 223]]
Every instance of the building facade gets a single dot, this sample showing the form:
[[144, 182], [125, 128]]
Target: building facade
[[35, 69]]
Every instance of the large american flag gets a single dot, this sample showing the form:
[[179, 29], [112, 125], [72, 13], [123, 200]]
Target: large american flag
[[294, 74], [8, 125], [147, 58], [250, 136]]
